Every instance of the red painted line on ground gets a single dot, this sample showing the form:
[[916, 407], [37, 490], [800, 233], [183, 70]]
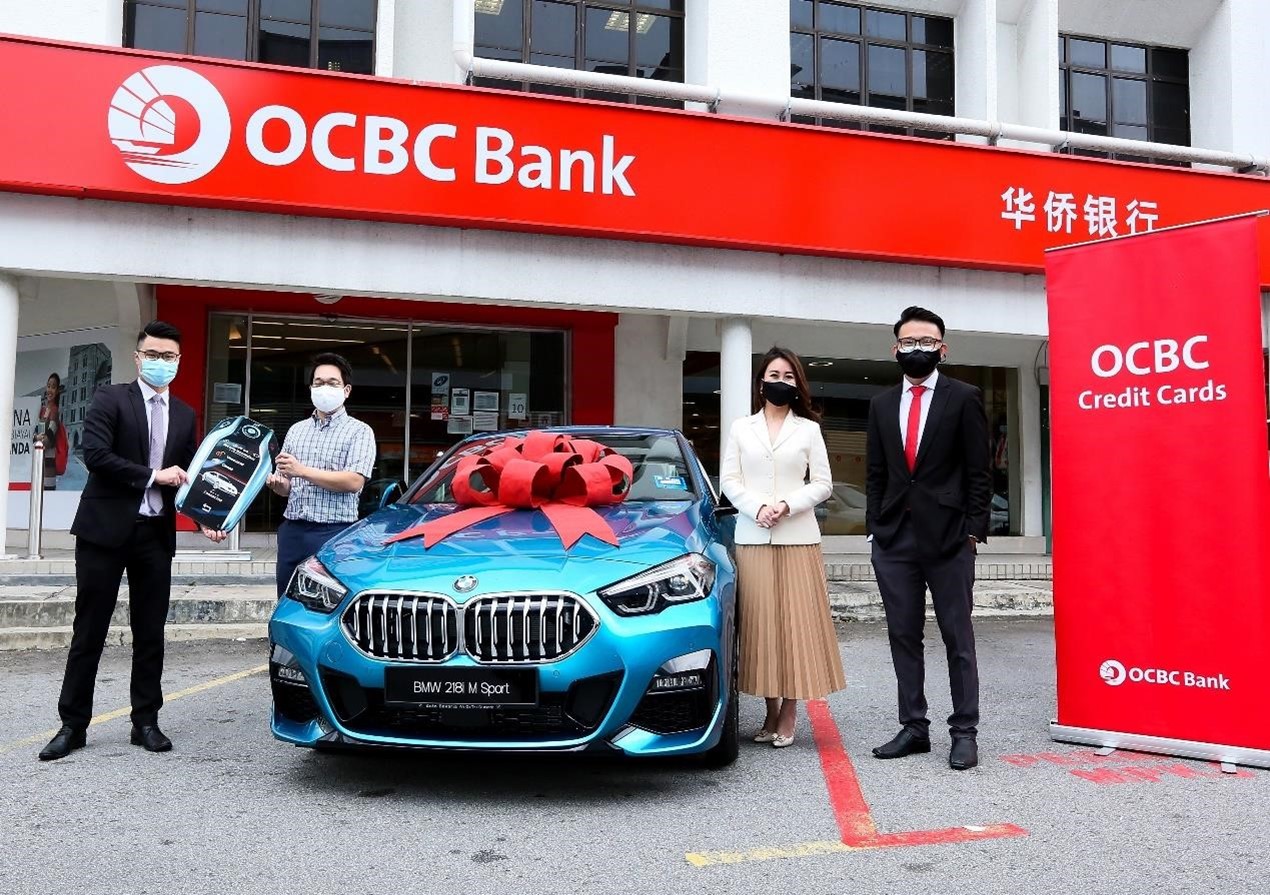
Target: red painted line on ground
[[851, 810], [855, 821]]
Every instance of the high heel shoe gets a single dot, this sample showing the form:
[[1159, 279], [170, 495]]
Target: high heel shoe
[[764, 736]]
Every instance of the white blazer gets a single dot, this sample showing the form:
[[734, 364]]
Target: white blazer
[[757, 471]]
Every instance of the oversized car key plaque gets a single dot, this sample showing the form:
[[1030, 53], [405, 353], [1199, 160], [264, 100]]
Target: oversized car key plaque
[[228, 471]]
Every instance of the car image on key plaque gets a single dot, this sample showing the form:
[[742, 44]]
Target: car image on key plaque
[[498, 637]]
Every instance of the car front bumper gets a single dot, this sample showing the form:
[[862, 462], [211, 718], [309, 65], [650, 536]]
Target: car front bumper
[[327, 693]]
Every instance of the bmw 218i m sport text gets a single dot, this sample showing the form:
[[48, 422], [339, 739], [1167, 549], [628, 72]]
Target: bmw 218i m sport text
[[426, 626]]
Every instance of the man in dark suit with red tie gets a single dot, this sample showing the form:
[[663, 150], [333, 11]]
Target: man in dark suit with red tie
[[138, 441], [929, 492]]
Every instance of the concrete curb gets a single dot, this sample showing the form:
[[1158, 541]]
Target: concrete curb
[[59, 637]]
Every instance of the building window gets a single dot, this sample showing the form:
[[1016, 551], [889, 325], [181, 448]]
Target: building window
[[873, 57], [336, 35], [1124, 90], [637, 38]]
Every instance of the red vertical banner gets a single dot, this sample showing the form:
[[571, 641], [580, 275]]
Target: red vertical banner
[[1161, 492]]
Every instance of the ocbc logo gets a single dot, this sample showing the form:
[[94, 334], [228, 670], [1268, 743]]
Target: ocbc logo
[[1162, 355], [1155, 676]]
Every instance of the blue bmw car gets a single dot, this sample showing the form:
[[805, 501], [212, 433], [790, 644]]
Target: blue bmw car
[[498, 638]]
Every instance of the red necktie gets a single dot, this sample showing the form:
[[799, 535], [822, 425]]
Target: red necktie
[[914, 427]]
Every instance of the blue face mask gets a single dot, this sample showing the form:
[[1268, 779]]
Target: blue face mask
[[158, 373]]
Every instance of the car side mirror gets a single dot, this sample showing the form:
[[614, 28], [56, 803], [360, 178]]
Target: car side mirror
[[392, 494], [724, 507]]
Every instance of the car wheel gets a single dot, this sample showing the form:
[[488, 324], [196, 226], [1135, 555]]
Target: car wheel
[[726, 750]]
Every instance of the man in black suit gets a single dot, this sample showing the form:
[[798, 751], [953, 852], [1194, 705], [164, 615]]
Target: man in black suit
[[929, 492], [138, 440]]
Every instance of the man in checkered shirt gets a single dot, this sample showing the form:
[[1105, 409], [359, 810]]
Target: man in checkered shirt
[[325, 462]]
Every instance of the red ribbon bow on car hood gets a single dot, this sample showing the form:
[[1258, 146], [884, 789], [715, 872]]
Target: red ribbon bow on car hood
[[564, 477]]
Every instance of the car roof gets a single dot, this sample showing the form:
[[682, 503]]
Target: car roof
[[596, 431]]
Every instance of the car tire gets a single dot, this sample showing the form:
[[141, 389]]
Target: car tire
[[725, 752]]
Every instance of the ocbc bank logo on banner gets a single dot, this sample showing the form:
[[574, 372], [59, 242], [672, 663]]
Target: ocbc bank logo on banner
[[1114, 673], [173, 126]]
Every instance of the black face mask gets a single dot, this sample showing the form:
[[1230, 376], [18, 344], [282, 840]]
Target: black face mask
[[779, 393], [918, 363]]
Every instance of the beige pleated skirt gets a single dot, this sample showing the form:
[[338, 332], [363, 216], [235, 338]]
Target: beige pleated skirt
[[788, 644]]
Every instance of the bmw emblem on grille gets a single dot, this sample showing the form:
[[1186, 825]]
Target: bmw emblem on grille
[[465, 584]]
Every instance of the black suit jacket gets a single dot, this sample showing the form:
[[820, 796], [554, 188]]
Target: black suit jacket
[[117, 453], [949, 494]]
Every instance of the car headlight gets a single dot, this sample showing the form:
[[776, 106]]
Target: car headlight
[[316, 587], [681, 580]]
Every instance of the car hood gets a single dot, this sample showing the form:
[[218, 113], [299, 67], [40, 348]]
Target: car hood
[[512, 552]]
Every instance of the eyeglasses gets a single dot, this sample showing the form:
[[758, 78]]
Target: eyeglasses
[[926, 343], [169, 356], [318, 383]]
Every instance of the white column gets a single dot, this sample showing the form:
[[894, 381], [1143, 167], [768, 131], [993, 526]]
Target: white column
[[715, 29], [1032, 523], [425, 36], [1228, 65], [135, 307], [385, 37], [736, 370], [8, 370], [976, 62], [1028, 67]]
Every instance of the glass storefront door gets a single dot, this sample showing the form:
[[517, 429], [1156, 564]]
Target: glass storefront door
[[421, 387], [467, 381]]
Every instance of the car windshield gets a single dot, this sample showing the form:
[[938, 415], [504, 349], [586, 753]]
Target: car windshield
[[661, 469]]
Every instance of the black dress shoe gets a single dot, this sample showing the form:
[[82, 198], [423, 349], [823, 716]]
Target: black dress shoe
[[905, 743], [964, 754], [149, 736], [67, 740]]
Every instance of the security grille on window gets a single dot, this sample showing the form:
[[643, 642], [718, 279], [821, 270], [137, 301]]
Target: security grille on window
[[637, 38], [873, 57], [1124, 90], [336, 35]]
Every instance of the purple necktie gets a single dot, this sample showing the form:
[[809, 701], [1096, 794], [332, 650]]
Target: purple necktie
[[158, 438]]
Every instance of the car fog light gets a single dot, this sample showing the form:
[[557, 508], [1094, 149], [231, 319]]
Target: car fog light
[[691, 680], [284, 668], [687, 672]]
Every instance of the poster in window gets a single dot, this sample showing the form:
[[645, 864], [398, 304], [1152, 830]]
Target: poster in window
[[440, 383], [485, 422], [53, 388], [459, 425], [485, 401], [460, 402], [517, 406]]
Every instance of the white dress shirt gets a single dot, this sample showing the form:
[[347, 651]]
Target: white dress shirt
[[906, 401], [147, 393]]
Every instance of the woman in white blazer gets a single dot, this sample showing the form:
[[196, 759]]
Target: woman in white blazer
[[775, 472]]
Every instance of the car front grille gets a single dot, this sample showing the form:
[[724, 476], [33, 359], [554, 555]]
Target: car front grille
[[526, 627], [494, 630], [407, 627]]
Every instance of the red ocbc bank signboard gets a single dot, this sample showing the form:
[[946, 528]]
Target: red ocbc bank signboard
[[124, 125]]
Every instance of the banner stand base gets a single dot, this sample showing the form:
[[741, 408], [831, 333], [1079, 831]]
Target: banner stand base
[[1135, 742]]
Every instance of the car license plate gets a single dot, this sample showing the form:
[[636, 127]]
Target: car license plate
[[461, 687]]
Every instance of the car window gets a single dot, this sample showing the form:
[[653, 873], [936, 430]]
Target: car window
[[661, 469]]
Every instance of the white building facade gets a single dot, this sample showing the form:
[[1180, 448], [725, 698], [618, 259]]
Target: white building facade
[[461, 325]]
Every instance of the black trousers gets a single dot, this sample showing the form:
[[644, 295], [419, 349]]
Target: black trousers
[[98, 571], [297, 541], [903, 577]]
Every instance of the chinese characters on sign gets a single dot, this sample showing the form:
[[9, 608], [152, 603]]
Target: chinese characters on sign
[[1100, 214]]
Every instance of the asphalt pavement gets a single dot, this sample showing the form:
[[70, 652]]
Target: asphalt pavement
[[232, 810]]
